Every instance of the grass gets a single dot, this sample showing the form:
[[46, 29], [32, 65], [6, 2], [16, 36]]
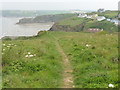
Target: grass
[[42, 70], [94, 66], [85, 24], [105, 25], [107, 14], [73, 21], [94, 57]]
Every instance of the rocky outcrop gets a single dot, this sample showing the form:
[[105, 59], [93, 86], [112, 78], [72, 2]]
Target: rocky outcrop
[[45, 18], [66, 28], [25, 20]]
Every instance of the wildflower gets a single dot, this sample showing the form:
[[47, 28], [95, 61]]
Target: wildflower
[[111, 85], [34, 54], [26, 56], [3, 44], [87, 45], [29, 53], [8, 46], [15, 45], [3, 49]]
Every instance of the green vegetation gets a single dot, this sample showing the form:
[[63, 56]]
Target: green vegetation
[[22, 70], [84, 24], [94, 65], [107, 14], [105, 25], [46, 18], [94, 58], [53, 18], [73, 21]]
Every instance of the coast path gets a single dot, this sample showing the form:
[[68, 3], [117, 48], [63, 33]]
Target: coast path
[[67, 73]]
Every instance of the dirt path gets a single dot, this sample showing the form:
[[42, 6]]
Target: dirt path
[[67, 74]]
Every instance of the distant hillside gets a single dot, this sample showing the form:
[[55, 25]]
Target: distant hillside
[[76, 24], [30, 13], [46, 18], [107, 14]]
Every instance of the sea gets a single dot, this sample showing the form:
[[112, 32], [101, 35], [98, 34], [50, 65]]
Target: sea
[[8, 27]]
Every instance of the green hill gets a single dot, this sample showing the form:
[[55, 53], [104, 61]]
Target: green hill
[[46, 18], [93, 58], [107, 14], [76, 24]]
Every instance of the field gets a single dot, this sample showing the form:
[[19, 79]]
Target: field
[[73, 21], [83, 24], [37, 62], [107, 14]]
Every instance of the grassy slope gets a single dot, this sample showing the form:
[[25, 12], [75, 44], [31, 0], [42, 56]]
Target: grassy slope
[[42, 70], [88, 23], [73, 21], [95, 66], [54, 18], [107, 14], [105, 25]]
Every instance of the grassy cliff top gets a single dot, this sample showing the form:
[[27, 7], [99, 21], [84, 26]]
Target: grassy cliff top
[[107, 14], [73, 21], [93, 56]]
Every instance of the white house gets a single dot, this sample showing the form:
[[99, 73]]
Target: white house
[[100, 18], [82, 15], [108, 19], [89, 16], [93, 16]]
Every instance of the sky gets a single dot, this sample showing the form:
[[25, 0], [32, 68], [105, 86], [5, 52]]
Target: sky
[[58, 4]]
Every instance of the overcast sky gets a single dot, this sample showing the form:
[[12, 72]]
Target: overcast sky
[[59, 4]]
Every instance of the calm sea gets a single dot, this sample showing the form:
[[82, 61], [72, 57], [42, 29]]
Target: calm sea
[[10, 28]]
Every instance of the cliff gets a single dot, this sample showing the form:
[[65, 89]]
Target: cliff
[[76, 24], [46, 18]]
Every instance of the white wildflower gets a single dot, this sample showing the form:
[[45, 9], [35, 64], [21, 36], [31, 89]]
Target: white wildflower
[[3, 44], [29, 53], [15, 45], [8, 46], [111, 85], [87, 45], [3, 49], [34, 54], [26, 56]]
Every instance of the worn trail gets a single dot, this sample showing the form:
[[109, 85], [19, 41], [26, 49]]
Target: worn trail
[[67, 73]]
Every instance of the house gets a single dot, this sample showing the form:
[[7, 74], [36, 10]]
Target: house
[[115, 21], [108, 19], [101, 10], [82, 15], [100, 18], [93, 16], [94, 30], [89, 16]]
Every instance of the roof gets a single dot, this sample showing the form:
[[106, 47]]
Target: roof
[[94, 30]]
